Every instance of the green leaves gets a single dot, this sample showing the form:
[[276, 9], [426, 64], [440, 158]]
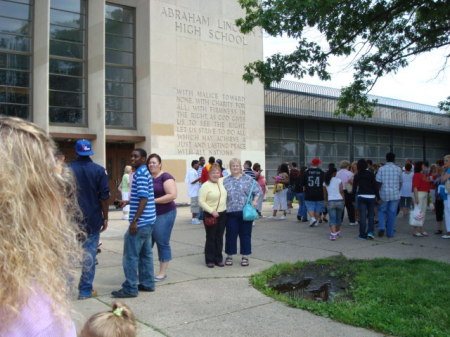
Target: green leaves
[[385, 34]]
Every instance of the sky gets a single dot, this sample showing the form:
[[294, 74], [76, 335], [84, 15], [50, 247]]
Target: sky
[[420, 82]]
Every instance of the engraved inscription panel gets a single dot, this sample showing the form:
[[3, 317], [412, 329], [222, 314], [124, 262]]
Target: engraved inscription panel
[[209, 122]]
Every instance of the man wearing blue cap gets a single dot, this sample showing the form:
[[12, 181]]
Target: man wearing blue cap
[[93, 195]]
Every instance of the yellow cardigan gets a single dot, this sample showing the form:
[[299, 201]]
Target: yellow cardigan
[[209, 196]]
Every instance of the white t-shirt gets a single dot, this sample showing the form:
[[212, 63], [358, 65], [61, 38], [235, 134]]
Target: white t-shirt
[[193, 189], [406, 190], [333, 189]]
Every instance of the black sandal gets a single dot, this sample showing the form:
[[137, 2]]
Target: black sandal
[[244, 262], [229, 261]]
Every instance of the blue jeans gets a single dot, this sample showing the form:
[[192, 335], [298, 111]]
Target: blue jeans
[[335, 210], [387, 213], [301, 205], [366, 207], [236, 226], [290, 194], [88, 268], [315, 206], [162, 229], [138, 260]]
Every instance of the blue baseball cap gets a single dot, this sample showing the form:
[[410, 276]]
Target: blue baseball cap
[[83, 147]]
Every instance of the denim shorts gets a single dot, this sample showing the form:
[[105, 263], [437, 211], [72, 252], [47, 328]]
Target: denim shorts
[[315, 206]]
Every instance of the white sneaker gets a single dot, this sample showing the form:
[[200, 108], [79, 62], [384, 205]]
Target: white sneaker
[[312, 222], [352, 224], [271, 217], [196, 221], [446, 236], [124, 217], [282, 217]]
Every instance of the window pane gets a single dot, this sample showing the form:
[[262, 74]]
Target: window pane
[[119, 89], [119, 74], [120, 43], [66, 67], [66, 83], [66, 49], [122, 119], [119, 13], [121, 58], [66, 99], [15, 10], [119, 104], [66, 33], [73, 6], [119, 28], [14, 78], [14, 26], [14, 95], [326, 136], [21, 111], [14, 42], [74, 20], [13, 61], [66, 116], [290, 133]]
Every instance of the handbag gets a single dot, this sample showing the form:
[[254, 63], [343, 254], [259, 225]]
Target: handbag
[[210, 220], [249, 212]]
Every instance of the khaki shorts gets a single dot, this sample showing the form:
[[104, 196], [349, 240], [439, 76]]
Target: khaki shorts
[[195, 208]]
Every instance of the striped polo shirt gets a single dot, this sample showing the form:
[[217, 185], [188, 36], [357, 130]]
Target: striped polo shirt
[[142, 187]]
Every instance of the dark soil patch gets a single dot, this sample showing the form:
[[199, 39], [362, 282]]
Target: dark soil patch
[[313, 281]]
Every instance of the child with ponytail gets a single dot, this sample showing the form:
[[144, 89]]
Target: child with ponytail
[[118, 322]]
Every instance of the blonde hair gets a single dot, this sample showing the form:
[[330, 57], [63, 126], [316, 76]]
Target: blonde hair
[[38, 246], [215, 167], [118, 322], [235, 161], [344, 164], [128, 169]]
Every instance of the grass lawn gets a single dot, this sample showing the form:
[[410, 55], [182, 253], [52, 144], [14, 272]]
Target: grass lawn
[[396, 297]]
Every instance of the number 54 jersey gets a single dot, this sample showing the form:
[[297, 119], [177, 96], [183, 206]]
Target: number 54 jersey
[[313, 182]]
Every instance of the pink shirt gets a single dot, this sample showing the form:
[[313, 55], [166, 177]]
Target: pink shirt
[[345, 175], [37, 319]]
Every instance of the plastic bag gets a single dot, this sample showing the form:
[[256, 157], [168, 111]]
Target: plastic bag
[[416, 217]]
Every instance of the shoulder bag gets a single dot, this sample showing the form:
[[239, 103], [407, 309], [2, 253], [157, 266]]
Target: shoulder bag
[[211, 220], [249, 212]]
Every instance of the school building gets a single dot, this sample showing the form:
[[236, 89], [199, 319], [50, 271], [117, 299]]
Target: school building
[[166, 75]]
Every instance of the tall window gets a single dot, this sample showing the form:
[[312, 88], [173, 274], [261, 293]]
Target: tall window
[[67, 62], [120, 66], [15, 57]]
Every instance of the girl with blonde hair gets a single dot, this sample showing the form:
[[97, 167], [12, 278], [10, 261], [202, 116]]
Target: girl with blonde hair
[[118, 322], [38, 245]]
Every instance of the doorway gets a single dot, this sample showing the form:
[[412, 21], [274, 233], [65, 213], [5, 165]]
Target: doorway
[[117, 157]]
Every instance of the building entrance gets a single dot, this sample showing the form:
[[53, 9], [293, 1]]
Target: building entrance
[[117, 157]]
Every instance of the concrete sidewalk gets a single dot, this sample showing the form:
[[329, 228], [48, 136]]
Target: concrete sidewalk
[[196, 301]]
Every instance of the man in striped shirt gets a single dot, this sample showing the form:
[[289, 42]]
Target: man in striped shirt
[[137, 251]]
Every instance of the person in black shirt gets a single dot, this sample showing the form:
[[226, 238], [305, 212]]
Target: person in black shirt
[[312, 185], [366, 190]]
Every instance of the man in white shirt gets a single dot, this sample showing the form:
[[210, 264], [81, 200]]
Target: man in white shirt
[[192, 180]]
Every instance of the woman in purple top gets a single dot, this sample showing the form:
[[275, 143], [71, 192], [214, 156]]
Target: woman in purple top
[[166, 211]]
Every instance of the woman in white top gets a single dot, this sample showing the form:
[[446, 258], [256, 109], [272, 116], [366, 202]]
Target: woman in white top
[[406, 193], [334, 201]]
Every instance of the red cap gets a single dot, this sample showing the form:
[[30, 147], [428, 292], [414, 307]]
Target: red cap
[[316, 161]]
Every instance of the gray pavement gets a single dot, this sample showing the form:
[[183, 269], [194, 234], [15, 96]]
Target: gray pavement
[[196, 301]]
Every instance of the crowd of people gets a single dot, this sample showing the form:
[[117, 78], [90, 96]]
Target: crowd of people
[[53, 215], [371, 194]]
